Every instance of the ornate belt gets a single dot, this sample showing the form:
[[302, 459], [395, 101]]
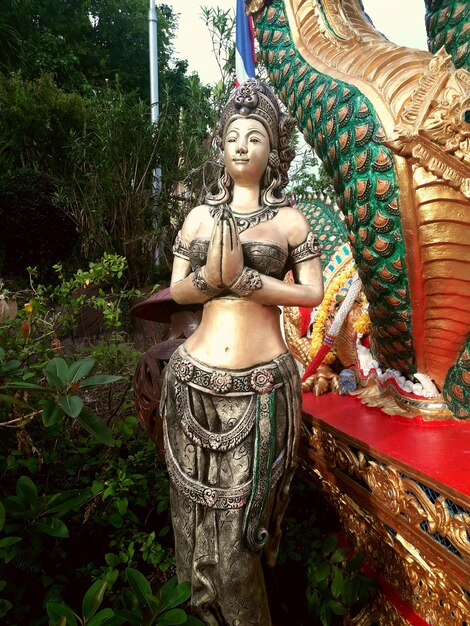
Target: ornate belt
[[222, 381]]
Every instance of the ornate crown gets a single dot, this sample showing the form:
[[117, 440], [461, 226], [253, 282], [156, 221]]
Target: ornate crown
[[253, 99]]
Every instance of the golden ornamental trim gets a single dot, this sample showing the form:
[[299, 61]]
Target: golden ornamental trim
[[432, 129], [405, 496], [421, 581], [333, 23]]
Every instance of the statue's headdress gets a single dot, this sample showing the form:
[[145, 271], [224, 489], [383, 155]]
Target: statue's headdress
[[254, 99]]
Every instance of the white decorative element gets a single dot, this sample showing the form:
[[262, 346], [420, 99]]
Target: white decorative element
[[424, 388], [365, 359], [430, 389], [353, 292]]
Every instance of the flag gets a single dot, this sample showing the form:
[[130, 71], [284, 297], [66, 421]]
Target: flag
[[244, 45]]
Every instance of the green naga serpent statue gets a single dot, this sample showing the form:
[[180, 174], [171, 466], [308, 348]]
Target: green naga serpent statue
[[392, 128]]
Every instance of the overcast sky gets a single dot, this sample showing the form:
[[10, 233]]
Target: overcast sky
[[402, 21]]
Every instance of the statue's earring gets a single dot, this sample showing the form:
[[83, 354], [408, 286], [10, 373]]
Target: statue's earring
[[274, 160], [222, 160]]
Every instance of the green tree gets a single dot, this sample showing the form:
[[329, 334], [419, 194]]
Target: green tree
[[83, 44]]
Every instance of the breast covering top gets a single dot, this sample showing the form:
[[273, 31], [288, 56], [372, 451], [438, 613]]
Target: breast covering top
[[267, 258]]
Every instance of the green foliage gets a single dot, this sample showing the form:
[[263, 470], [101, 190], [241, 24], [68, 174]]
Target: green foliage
[[52, 392], [101, 288], [83, 43], [335, 585], [83, 495], [97, 143], [335, 582], [221, 27], [36, 122], [307, 175], [140, 605]]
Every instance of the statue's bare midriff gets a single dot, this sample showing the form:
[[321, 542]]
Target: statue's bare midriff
[[237, 333]]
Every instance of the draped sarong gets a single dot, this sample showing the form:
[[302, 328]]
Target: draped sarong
[[231, 439]]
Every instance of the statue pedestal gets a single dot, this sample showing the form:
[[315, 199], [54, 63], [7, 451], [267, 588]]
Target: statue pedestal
[[402, 489]]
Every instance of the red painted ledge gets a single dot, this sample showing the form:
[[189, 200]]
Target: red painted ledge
[[439, 450]]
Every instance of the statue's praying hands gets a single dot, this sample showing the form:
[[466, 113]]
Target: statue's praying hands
[[225, 255]]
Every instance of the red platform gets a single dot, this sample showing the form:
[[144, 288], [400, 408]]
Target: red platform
[[438, 450]]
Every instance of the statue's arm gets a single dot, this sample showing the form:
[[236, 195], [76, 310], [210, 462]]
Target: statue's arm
[[198, 287], [307, 291]]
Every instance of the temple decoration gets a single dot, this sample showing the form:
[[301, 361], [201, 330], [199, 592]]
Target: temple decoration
[[391, 126]]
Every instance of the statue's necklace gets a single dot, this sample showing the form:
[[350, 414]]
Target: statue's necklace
[[248, 220]]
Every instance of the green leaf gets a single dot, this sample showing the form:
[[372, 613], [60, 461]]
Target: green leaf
[[62, 621], [339, 555], [173, 597], [140, 586], [93, 598], [21, 385], [100, 379], [325, 615], [337, 582], [79, 369], [128, 617], [330, 544], [322, 571], [51, 413], [111, 559], [58, 368], [6, 542], [103, 617], [62, 503], [59, 610], [121, 505], [53, 380], [9, 367], [5, 606], [95, 426], [72, 405], [172, 618], [2, 354], [336, 607], [355, 562], [350, 591], [194, 621], [53, 526], [26, 489], [2, 515]]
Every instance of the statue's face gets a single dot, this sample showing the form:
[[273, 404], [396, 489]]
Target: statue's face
[[246, 150]]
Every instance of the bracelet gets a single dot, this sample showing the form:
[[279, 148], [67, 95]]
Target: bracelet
[[200, 282], [248, 281]]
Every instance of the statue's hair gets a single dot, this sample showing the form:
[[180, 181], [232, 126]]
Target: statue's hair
[[254, 99]]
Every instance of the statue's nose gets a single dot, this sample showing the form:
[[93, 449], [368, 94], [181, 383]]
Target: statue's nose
[[241, 148]]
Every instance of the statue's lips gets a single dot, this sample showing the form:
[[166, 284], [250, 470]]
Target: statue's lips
[[240, 160]]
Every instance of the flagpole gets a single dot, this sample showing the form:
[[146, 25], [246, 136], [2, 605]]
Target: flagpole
[[154, 105]]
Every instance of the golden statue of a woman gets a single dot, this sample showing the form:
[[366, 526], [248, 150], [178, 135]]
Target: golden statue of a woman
[[231, 399]]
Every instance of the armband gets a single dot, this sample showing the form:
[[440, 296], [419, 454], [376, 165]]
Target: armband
[[180, 248], [248, 281], [308, 249]]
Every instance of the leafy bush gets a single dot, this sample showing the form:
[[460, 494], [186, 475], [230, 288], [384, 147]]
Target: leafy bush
[[84, 497], [330, 575], [335, 582]]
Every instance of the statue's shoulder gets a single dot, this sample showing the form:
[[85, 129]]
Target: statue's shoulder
[[193, 220], [297, 226]]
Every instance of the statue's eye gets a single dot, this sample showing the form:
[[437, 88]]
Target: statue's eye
[[466, 116]]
